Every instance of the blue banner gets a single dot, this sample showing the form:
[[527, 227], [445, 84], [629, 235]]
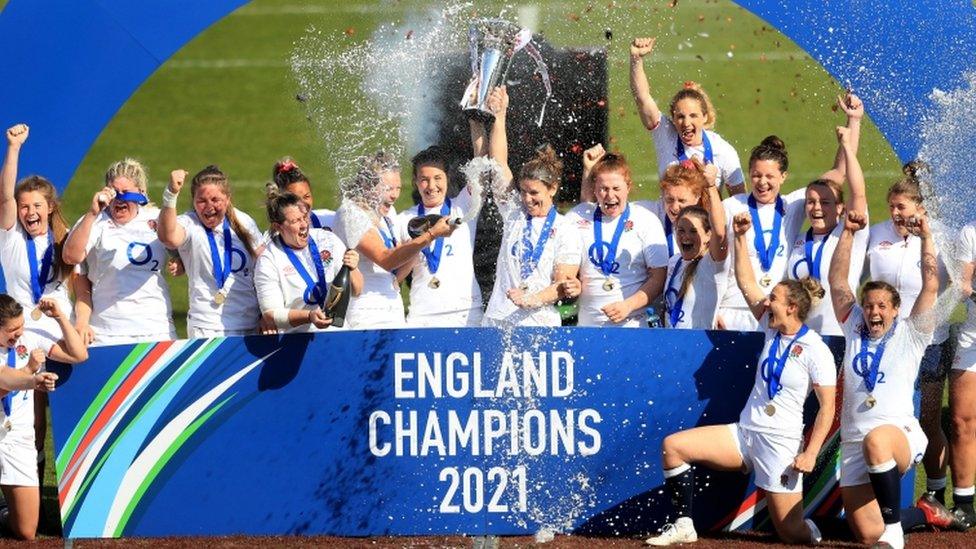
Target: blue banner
[[402, 432]]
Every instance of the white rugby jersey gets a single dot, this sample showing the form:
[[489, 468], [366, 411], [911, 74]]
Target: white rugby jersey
[[699, 306], [457, 288], [125, 263], [897, 260], [793, 205], [822, 317], [562, 248], [239, 312], [809, 363], [17, 276], [280, 285], [895, 382], [642, 246], [724, 156], [22, 402]]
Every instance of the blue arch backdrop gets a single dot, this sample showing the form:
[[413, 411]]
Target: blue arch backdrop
[[78, 62]]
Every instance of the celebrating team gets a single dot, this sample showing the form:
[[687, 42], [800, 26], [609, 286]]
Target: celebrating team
[[620, 259]]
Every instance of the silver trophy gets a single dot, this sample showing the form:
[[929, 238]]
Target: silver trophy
[[493, 43]]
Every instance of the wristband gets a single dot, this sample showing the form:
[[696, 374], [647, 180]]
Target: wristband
[[280, 317], [169, 198]]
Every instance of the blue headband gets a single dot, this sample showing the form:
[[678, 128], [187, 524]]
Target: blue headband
[[138, 198]]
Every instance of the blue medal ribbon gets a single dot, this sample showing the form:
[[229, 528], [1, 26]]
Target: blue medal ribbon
[[315, 291], [314, 220], [679, 149], [811, 258], [668, 231], [390, 240], [772, 366], [221, 270], [867, 364], [433, 257], [607, 262], [9, 397], [672, 298], [131, 196], [531, 254], [766, 254], [38, 276]]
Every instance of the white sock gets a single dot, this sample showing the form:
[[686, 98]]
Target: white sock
[[894, 536], [668, 473], [968, 491], [882, 467]]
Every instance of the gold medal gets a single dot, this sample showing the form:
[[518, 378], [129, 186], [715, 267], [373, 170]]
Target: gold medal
[[219, 298], [7, 425], [608, 285], [36, 313], [770, 409], [870, 401], [434, 283], [524, 287], [765, 281]]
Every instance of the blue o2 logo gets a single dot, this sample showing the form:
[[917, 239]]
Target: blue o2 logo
[[140, 253], [238, 261]]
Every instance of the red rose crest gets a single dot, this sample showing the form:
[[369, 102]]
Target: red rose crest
[[797, 351], [884, 245], [628, 226], [326, 256], [21, 351], [152, 224]]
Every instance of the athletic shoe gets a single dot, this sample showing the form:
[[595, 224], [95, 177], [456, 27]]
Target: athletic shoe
[[681, 531], [966, 519], [937, 515]]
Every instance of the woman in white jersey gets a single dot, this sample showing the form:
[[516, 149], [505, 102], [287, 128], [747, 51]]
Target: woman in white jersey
[[688, 132], [696, 274], [32, 233], [23, 353], [768, 438], [216, 242], [625, 256], [962, 387], [893, 256], [540, 249], [776, 220], [293, 273], [288, 176], [880, 437], [825, 206], [443, 288], [124, 260], [380, 304]]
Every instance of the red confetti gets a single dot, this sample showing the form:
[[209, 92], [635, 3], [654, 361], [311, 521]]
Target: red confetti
[[349, 31]]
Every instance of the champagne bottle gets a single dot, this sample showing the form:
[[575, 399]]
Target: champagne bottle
[[337, 302], [419, 225]]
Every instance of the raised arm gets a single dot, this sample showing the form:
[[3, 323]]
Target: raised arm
[[647, 109], [71, 347], [718, 246], [372, 246], [930, 274], [745, 277], [497, 138], [841, 294], [16, 136], [82, 288], [169, 231], [76, 245], [857, 198], [590, 158], [854, 108]]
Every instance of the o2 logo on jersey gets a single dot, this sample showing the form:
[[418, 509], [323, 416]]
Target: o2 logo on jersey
[[140, 253], [238, 261]]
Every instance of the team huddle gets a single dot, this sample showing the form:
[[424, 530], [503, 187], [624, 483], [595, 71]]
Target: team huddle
[[693, 259]]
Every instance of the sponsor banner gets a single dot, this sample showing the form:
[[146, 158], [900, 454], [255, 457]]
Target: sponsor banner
[[436, 431]]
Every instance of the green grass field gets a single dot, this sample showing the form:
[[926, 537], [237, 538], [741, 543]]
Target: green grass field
[[228, 97]]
